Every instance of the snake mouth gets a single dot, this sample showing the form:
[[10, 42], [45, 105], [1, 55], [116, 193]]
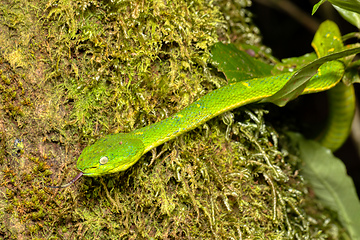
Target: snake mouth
[[94, 171]]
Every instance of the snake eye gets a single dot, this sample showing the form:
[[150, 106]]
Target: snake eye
[[104, 160]]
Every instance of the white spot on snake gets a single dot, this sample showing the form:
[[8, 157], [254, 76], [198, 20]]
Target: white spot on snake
[[104, 160]]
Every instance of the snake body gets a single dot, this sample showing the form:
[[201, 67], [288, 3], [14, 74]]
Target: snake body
[[118, 152], [342, 103]]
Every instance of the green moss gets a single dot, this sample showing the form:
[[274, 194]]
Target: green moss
[[83, 69], [11, 92], [129, 59]]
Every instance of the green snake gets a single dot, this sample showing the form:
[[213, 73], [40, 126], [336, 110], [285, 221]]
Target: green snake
[[118, 152]]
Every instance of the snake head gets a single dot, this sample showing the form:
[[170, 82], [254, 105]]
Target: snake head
[[110, 154]]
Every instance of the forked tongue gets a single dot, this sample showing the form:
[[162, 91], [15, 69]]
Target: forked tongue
[[68, 184]]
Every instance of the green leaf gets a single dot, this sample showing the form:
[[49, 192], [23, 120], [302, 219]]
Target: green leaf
[[327, 39], [350, 5], [256, 51], [327, 176], [350, 16], [352, 73], [237, 65], [291, 64], [349, 10], [316, 6]]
